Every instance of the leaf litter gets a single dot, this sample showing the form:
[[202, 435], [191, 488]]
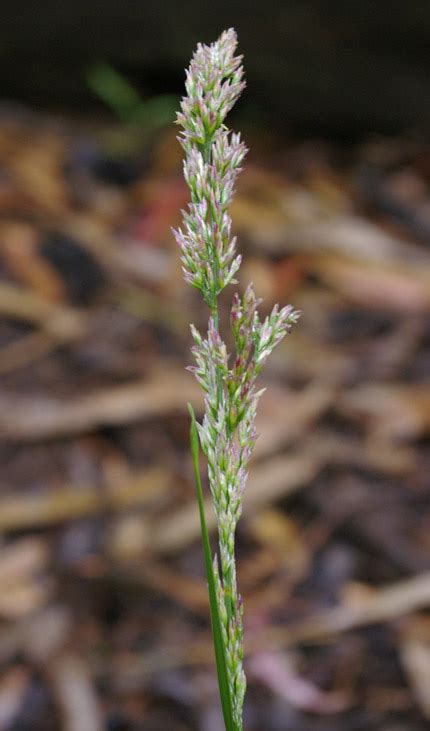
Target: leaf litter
[[103, 608]]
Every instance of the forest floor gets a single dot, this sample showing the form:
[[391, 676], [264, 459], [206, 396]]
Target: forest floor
[[103, 606]]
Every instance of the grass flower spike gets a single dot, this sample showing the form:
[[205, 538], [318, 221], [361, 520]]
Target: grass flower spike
[[213, 159]]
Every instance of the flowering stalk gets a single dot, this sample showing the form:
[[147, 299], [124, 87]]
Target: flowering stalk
[[213, 158]]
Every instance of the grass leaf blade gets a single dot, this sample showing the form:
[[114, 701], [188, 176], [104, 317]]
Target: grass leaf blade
[[220, 653]]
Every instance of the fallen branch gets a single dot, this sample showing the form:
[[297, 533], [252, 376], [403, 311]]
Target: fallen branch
[[43, 418], [72, 502]]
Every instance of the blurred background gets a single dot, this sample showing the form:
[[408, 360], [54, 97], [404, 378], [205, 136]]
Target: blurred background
[[103, 605]]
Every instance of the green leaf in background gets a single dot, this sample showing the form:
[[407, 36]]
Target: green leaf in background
[[220, 653], [122, 97]]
